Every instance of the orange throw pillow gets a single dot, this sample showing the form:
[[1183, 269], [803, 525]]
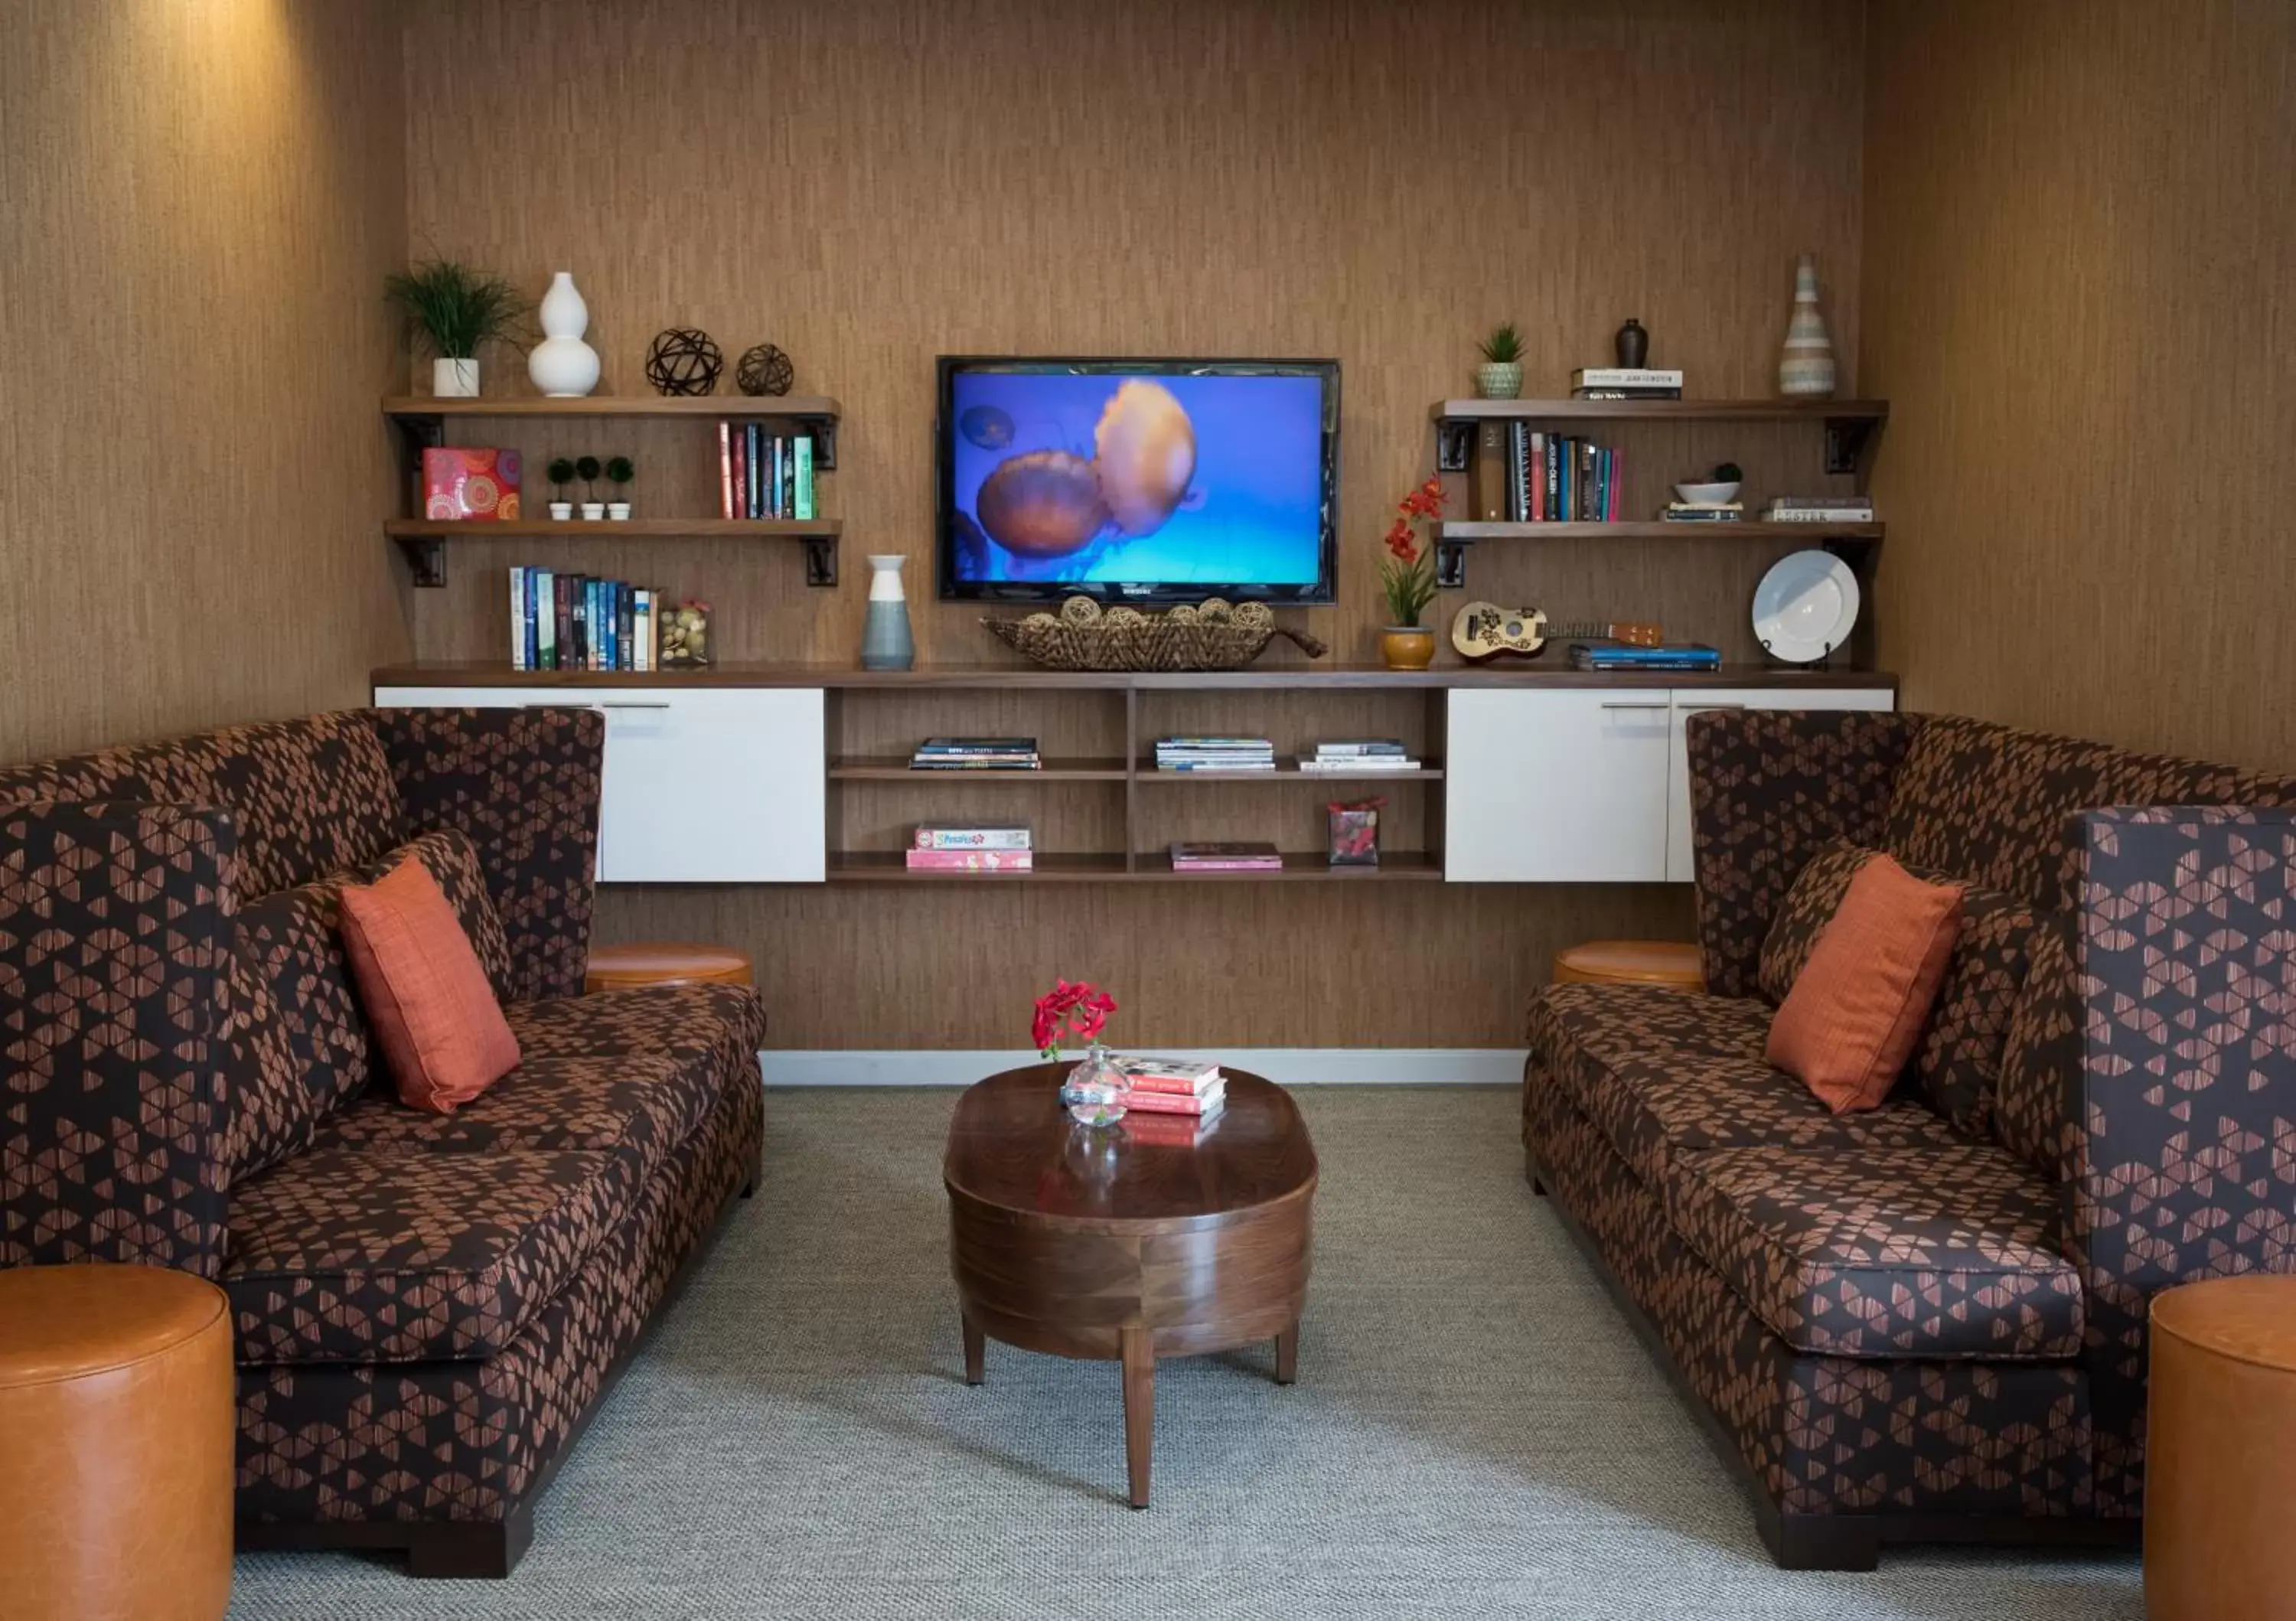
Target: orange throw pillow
[[443, 1034], [1856, 1009]]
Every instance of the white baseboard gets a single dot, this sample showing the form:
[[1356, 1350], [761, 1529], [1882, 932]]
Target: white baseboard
[[1287, 1066]]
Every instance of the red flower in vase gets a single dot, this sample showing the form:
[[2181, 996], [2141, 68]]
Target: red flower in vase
[[1069, 1013]]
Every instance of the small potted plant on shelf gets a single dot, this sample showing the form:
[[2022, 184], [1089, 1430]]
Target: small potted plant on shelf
[[560, 472], [1500, 376], [451, 309], [618, 473], [1094, 1089], [588, 470], [1407, 576]]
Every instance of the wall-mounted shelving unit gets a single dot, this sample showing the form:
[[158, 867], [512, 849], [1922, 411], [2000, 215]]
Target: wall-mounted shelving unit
[[421, 424], [1850, 424]]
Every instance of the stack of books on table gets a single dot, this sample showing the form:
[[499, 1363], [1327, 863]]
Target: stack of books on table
[[1253, 857], [1617, 655], [977, 754], [1819, 509], [1188, 1092], [1626, 382], [971, 847], [1703, 511], [1359, 756], [1215, 754]]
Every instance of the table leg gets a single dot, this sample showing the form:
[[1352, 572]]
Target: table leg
[[975, 1348], [1287, 1355], [1139, 1347]]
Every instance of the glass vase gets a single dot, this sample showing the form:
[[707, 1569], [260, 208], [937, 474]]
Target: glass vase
[[1094, 1091]]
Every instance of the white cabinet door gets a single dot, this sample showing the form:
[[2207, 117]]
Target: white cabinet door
[[1689, 700], [1555, 786], [702, 785]]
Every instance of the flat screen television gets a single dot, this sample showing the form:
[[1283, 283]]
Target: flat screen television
[[1138, 480]]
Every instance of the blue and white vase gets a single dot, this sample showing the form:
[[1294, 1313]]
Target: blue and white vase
[[886, 643]]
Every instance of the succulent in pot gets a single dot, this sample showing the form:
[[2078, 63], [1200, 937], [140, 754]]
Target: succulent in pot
[[1500, 376]]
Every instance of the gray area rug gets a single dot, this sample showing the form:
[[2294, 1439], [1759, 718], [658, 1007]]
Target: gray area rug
[[1474, 1433]]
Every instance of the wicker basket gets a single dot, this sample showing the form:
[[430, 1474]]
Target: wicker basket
[[1208, 636]]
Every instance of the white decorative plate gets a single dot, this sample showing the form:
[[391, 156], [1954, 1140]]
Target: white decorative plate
[[1805, 606]]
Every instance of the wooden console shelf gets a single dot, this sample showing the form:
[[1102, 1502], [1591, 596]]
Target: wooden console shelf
[[1150, 866], [425, 539], [1744, 531], [990, 677]]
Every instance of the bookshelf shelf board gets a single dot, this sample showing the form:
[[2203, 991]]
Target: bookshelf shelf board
[[890, 867], [895, 768], [1156, 866], [1308, 866], [1745, 530], [425, 539], [1290, 771], [1661, 410], [733, 408]]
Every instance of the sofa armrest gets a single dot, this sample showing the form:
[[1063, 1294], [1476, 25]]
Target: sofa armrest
[[1767, 787], [523, 783], [115, 947], [2181, 1139]]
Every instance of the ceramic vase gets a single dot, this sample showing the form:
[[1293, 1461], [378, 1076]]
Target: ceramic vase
[[886, 643], [1631, 344], [1407, 647], [1498, 379], [1806, 364], [455, 378], [561, 365]]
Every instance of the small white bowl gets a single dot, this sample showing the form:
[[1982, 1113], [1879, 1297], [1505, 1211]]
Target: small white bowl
[[1706, 495]]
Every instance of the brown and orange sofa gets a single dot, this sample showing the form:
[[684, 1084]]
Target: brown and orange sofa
[[427, 1307], [1927, 1322]]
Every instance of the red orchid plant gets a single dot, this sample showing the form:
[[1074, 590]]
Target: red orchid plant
[[1069, 1013], [1408, 573]]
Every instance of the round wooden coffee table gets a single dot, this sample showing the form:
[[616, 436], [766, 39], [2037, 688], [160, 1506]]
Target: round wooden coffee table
[[1092, 1242]]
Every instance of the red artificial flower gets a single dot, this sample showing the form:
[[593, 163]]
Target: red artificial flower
[[1075, 1012]]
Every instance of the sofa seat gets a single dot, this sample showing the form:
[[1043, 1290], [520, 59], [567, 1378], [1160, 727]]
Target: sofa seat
[[675, 1021], [1927, 1251], [1660, 1072], [378, 1254]]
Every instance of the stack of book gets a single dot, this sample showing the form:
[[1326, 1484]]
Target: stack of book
[[1819, 509], [971, 847], [1525, 476], [1253, 857], [1624, 382], [1359, 756], [572, 622], [977, 754], [1619, 656], [1703, 511], [1185, 1093], [763, 475], [1215, 754]]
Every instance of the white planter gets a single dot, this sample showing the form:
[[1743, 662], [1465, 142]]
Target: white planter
[[561, 512], [455, 378], [561, 365], [594, 511], [617, 512]]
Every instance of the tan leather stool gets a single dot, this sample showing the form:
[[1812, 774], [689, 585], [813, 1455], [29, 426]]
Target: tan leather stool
[[1671, 963], [2221, 1452], [117, 1419], [620, 968]]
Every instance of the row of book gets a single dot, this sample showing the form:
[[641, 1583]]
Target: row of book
[[1626, 382], [575, 622], [1215, 754], [1523, 474], [763, 475], [971, 847], [1615, 656], [1249, 856], [977, 754], [1356, 756]]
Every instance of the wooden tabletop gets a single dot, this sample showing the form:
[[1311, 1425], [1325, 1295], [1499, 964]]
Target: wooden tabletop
[[1012, 1146]]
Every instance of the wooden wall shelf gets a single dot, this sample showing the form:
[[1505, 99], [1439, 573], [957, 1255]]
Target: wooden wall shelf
[[1150, 866], [990, 677], [1847, 422], [1465, 531], [425, 539]]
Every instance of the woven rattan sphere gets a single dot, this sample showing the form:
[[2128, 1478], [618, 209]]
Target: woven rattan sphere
[[684, 360], [764, 369]]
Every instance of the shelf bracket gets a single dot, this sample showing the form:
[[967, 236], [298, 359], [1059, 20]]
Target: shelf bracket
[[820, 560], [426, 555], [1450, 564], [824, 430], [1845, 442], [1454, 438]]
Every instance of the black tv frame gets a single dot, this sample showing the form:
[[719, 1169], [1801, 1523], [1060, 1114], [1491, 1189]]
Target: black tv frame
[[1322, 592]]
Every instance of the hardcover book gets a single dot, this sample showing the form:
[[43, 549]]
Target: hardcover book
[[971, 836], [1182, 1076], [1215, 1097], [973, 861]]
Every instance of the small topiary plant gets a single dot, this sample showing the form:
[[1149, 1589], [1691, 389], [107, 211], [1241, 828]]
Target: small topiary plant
[[587, 471], [619, 472], [1503, 346], [561, 473]]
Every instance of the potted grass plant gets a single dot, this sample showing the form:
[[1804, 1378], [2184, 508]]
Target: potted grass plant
[[620, 471], [1500, 376], [450, 310], [1407, 580]]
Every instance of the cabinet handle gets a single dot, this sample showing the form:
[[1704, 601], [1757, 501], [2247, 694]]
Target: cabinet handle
[[1695, 706], [656, 704], [1637, 705]]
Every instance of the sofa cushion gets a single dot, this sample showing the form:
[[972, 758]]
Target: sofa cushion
[[426, 998], [350, 1255], [2041, 1056], [726, 1022], [1809, 906], [1924, 1251], [1661, 1073]]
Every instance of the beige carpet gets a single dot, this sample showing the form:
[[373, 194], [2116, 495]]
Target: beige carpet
[[1474, 1433]]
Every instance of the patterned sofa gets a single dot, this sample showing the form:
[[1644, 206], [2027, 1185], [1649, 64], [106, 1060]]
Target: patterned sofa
[[1928, 1323], [428, 1306]]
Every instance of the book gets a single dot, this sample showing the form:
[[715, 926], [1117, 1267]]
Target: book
[[1626, 394], [1683, 656], [1178, 1077], [546, 619], [785, 459], [1332, 747], [1787, 502], [1151, 1129], [1137, 1101], [1238, 764], [970, 836], [757, 470], [726, 472], [1677, 512], [625, 627], [1626, 377], [987, 762], [569, 654], [1225, 858], [1364, 765], [641, 629], [802, 508], [1847, 512], [977, 745], [1489, 475], [463, 483], [971, 861]]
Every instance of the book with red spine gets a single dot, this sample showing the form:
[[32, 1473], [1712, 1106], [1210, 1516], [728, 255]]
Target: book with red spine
[[1183, 1076], [973, 861], [726, 470], [1138, 1101], [1169, 1131]]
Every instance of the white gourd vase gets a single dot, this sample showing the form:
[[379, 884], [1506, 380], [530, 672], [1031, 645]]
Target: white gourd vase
[[561, 365], [1806, 364], [453, 379]]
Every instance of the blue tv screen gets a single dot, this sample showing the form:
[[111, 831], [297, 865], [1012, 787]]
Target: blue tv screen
[[1138, 480]]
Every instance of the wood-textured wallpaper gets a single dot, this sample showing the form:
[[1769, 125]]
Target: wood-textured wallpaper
[[2081, 299], [874, 184], [197, 206]]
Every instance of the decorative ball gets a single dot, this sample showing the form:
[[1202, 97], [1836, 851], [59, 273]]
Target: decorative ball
[[764, 370], [1254, 615], [1079, 612], [684, 360]]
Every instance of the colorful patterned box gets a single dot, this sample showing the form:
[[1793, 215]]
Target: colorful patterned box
[[460, 482]]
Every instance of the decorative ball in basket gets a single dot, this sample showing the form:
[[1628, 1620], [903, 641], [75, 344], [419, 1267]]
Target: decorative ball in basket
[[684, 360], [683, 634], [1210, 635]]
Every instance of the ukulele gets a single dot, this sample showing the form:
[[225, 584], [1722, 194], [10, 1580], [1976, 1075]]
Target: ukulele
[[1483, 629]]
